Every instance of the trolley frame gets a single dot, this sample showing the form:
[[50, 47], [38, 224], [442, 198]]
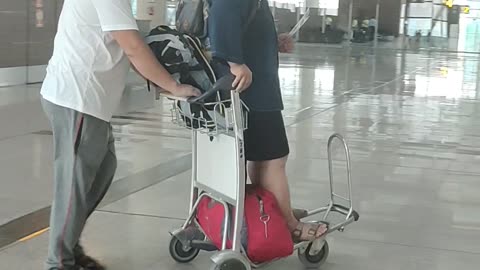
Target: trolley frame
[[234, 130]]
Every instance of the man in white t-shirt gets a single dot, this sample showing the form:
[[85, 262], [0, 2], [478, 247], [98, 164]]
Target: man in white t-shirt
[[96, 42]]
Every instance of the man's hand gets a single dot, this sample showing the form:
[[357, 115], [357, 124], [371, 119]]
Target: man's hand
[[179, 90], [185, 90], [285, 43], [243, 76]]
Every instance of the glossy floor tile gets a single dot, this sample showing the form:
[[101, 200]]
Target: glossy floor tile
[[144, 138], [411, 123], [141, 242]]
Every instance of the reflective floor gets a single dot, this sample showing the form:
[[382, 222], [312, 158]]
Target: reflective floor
[[411, 121]]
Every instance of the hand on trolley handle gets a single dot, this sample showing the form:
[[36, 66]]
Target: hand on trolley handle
[[223, 84], [190, 239]]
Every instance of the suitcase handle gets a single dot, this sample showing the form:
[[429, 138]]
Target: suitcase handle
[[222, 84]]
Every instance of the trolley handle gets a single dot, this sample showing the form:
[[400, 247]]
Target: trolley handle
[[222, 84]]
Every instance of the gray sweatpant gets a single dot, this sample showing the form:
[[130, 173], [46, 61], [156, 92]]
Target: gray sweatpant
[[84, 167]]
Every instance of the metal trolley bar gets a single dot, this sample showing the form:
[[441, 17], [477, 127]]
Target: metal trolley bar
[[225, 182], [334, 195]]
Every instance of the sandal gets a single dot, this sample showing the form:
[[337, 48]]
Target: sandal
[[309, 231]]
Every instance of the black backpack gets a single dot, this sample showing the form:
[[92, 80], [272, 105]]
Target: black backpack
[[183, 57], [183, 54], [192, 16]]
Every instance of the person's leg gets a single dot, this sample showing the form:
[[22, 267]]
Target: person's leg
[[80, 144], [266, 148], [102, 183], [271, 176], [104, 177]]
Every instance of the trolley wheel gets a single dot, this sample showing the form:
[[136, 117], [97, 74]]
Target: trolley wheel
[[316, 260], [231, 264], [181, 253]]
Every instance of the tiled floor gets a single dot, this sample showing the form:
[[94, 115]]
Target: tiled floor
[[412, 124]]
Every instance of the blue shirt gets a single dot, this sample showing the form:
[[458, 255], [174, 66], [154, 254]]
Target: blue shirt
[[256, 46]]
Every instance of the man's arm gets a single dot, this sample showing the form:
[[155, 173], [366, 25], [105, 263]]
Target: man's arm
[[147, 65], [116, 18]]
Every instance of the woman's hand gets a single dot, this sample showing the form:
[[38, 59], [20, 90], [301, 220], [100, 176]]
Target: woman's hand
[[243, 76], [285, 43]]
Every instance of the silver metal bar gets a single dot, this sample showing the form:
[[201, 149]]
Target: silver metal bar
[[340, 225], [300, 245], [330, 168], [317, 211], [341, 211], [240, 200], [329, 207], [341, 197], [333, 208], [226, 216], [215, 120], [194, 189], [226, 225], [215, 194], [192, 211], [237, 116], [221, 121]]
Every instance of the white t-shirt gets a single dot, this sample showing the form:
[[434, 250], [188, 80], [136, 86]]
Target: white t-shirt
[[88, 69]]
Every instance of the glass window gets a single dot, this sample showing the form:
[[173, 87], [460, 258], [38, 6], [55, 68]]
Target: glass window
[[422, 10], [423, 25], [440, 29]]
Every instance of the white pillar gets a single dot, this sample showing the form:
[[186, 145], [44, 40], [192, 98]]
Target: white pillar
[[324, 20], [160, 11], [350, 20], [375, 38]]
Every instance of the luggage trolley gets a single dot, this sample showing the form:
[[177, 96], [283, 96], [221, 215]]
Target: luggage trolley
[[223, 180]]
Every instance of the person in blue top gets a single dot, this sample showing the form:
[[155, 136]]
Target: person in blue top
[[249, 50]]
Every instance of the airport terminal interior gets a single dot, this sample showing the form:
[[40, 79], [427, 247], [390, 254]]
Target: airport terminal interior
[[398, 79]]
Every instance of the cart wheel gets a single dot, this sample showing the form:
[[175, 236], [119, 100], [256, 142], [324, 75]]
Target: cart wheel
[[314, 261], [181, 253], [231, 264]]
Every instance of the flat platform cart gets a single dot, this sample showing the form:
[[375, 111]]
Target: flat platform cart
[[218, 172]]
